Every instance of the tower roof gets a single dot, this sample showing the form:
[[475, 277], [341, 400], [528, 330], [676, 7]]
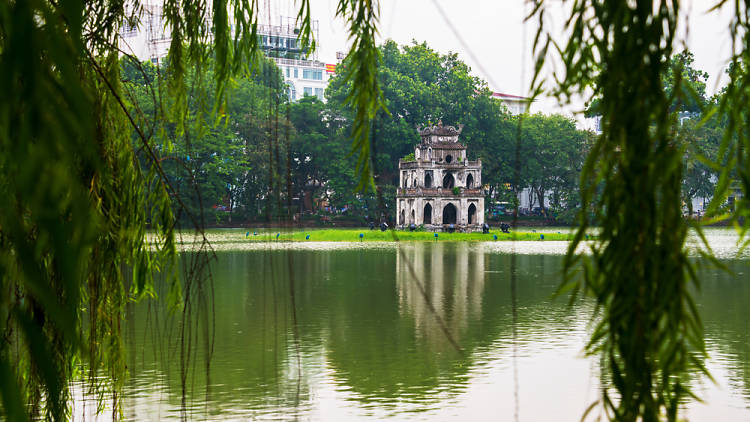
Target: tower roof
[[440, 136]]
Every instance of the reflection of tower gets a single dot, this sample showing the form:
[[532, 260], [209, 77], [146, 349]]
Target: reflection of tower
[[453, 280]]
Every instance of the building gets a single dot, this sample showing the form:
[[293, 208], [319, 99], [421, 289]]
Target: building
[[440, 188], [516, 104], [148, 39], [303, 73]]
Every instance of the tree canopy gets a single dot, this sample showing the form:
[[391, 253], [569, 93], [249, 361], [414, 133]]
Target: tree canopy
[[81, 193]]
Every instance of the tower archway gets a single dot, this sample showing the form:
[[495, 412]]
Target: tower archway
[[427, 218], [472, 214], [449, 214], [470, 181], [428, 179]]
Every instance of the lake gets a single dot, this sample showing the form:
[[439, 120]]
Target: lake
[[414, 331]]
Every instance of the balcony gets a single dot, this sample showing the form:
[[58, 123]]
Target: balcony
[[429, 164], [434, 192], [299, 63]]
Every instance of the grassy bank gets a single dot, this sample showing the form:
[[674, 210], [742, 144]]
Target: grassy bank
[[353, 235]]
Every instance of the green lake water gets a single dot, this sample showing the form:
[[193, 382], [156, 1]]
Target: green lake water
[[351, 332]]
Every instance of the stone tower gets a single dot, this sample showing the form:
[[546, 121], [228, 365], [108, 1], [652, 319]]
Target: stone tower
[[441, 186]]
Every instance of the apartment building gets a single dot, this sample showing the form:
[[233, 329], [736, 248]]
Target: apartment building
[[304, 74]]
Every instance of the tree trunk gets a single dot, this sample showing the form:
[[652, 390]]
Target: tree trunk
[[540, 196]]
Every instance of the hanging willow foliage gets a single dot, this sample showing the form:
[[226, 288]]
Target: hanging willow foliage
[[648, 330], [77, 200], [735, 174]]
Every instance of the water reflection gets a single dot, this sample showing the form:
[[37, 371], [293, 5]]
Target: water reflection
[[723, 302], [436, 287], [367, 345]]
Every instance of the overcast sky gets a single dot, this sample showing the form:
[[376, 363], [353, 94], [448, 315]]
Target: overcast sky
[[496, 41]]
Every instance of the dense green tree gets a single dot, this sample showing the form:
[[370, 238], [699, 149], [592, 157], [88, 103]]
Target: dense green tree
[[320, 150], [221, 168], [421, 86], [701, 141], [551, 158], [681, 74]]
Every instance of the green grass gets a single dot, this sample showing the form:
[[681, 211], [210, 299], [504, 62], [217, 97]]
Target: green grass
[[352, 235]]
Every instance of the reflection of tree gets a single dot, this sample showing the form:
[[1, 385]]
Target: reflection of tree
[[360, 316], [386, 343], [253, 360], [723, 302]]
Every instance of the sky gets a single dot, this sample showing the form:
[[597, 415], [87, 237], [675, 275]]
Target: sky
[[493, 39]]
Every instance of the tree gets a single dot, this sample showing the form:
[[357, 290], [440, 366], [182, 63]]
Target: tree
[[691, 82], [214, 159], [701, 142], [551, 156], [80, 195], [648, 330], [317, 148], [421, 86], [681, 75]]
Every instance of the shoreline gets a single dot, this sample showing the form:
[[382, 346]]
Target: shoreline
[[303, 235]]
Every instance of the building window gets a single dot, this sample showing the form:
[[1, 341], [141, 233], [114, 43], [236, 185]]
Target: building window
[[319, 93], [128, 30], [296, 75], [314, 74], [308, 91], [287, 72]]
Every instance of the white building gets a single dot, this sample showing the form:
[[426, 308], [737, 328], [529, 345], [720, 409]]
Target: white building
[[303, 73], [150, 38], [516, 104]]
